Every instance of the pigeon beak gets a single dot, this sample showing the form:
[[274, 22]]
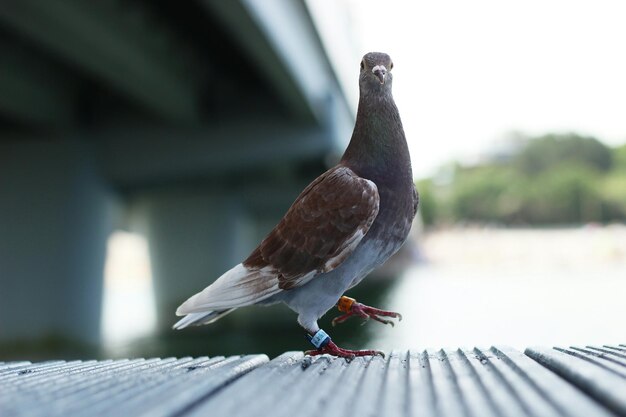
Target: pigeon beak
[[380, 71]]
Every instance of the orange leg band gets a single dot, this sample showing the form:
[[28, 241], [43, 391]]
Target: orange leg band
[[345, 304]]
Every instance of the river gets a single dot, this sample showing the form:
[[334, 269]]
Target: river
[[478, 287]]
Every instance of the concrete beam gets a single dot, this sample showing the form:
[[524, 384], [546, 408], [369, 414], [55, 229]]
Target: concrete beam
[[143, 156], [32, 92], [279, 36], [121, 46]]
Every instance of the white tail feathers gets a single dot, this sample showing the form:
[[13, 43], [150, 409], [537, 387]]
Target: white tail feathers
[[237, 287], [196, 319]]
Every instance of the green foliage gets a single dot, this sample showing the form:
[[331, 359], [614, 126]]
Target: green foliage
[[476, 195], [619, 158], [564, 194], [554, 179], [546, 152], [613, 189], [428, 202]]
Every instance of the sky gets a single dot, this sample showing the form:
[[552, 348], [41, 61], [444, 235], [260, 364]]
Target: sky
[[468, 74]]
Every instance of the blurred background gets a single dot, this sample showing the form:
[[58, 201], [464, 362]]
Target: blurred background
[[148, 146]]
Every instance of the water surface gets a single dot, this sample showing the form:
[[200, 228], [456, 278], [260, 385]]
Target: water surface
[[513, 287]]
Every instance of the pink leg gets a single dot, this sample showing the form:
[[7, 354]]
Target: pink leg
[[332, 349], [352, 308]]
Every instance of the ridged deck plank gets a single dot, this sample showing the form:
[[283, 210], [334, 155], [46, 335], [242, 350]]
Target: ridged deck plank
[[480, 382], [154, 387], [596, 374]]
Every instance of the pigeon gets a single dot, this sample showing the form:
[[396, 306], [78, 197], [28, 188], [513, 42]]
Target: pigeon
[[347, 222]]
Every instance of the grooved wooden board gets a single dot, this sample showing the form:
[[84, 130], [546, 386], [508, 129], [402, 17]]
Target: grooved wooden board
[[498, 381]]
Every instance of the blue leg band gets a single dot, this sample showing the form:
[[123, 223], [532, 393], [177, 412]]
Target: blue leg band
[[319, 339]]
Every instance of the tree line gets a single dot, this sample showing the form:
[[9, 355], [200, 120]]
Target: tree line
[[549, 180]]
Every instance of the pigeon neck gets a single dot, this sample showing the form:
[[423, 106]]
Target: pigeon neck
[[378, 148]]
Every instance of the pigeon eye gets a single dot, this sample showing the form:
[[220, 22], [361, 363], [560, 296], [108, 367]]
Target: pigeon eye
[[362, 64]]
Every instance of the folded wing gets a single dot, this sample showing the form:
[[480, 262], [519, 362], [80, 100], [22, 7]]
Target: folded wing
[[320, 231]]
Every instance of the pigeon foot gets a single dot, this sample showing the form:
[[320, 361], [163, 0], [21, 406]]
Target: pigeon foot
[[332, 349], [352, 308]]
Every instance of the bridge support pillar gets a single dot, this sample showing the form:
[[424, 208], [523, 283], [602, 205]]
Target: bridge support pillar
[[193, 238]]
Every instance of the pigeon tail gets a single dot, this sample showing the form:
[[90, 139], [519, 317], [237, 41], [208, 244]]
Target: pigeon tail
[[237, 287], [197, 319]]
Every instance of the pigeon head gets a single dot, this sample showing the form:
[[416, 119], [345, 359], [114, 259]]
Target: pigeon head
[[376, 72], [378, 146]]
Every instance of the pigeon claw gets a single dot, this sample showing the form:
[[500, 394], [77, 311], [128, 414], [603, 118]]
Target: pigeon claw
[[366, 312], [332, 349]]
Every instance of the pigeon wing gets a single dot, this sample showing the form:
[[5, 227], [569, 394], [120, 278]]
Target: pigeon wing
[[320, 230]]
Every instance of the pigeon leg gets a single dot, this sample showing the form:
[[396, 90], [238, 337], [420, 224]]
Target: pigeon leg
[[325, 345], [351, 308], [332, 349]]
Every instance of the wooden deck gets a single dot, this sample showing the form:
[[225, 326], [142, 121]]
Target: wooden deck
[[589, 381]]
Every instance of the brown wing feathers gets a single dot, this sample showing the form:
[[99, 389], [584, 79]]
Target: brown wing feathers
[[320, 229]]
